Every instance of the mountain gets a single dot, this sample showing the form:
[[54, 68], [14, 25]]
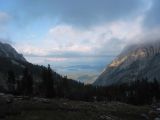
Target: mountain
[[11, 60], [136, 61], [7, 51]]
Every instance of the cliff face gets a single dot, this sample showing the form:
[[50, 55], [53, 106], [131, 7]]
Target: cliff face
[[136, 61]]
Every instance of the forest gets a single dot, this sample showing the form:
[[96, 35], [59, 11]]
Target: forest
[[138, 92]]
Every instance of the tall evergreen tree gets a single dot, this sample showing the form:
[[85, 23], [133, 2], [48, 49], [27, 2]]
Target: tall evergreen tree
[[156, 89], [27, 82], [48, 82], [11, 81]]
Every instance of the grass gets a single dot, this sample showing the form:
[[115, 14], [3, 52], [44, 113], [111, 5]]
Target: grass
[[58, 109]]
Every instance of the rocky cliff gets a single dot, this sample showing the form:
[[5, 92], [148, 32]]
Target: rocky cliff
[[135, 62]]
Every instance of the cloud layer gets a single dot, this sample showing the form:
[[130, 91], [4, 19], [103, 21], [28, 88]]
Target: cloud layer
[[60, 28], [80, 13], [68, 41]]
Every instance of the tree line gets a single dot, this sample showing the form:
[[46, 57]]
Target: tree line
[[51, 85]]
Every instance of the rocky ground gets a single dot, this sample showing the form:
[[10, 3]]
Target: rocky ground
[[154, 113], [24, 108]]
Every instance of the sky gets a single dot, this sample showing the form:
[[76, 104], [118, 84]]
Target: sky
[[77, 37]]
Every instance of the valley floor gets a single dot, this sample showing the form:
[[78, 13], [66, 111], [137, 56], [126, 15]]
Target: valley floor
[[60, 109]]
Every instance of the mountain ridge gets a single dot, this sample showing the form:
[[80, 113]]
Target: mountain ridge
[[134, 62], [11, 60], [6, 50]]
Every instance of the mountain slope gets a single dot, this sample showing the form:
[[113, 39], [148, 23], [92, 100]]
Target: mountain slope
[[136, 61], [10, 59], [7, 51]]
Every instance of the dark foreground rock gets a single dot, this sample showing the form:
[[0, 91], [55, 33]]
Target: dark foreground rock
[[20, 108], [154, 113]]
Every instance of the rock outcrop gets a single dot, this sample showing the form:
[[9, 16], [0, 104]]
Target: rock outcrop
[[135, 61]]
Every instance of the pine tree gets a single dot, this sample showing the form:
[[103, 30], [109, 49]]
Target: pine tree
[[155, 89], [48, 82], [27, 82], [11, 81]]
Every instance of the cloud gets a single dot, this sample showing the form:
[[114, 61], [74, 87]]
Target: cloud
[[147, 35], [4, 20], [4, 17], [112, 25], [6, 41], [152, 15], [77, 12], [66, 41]]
